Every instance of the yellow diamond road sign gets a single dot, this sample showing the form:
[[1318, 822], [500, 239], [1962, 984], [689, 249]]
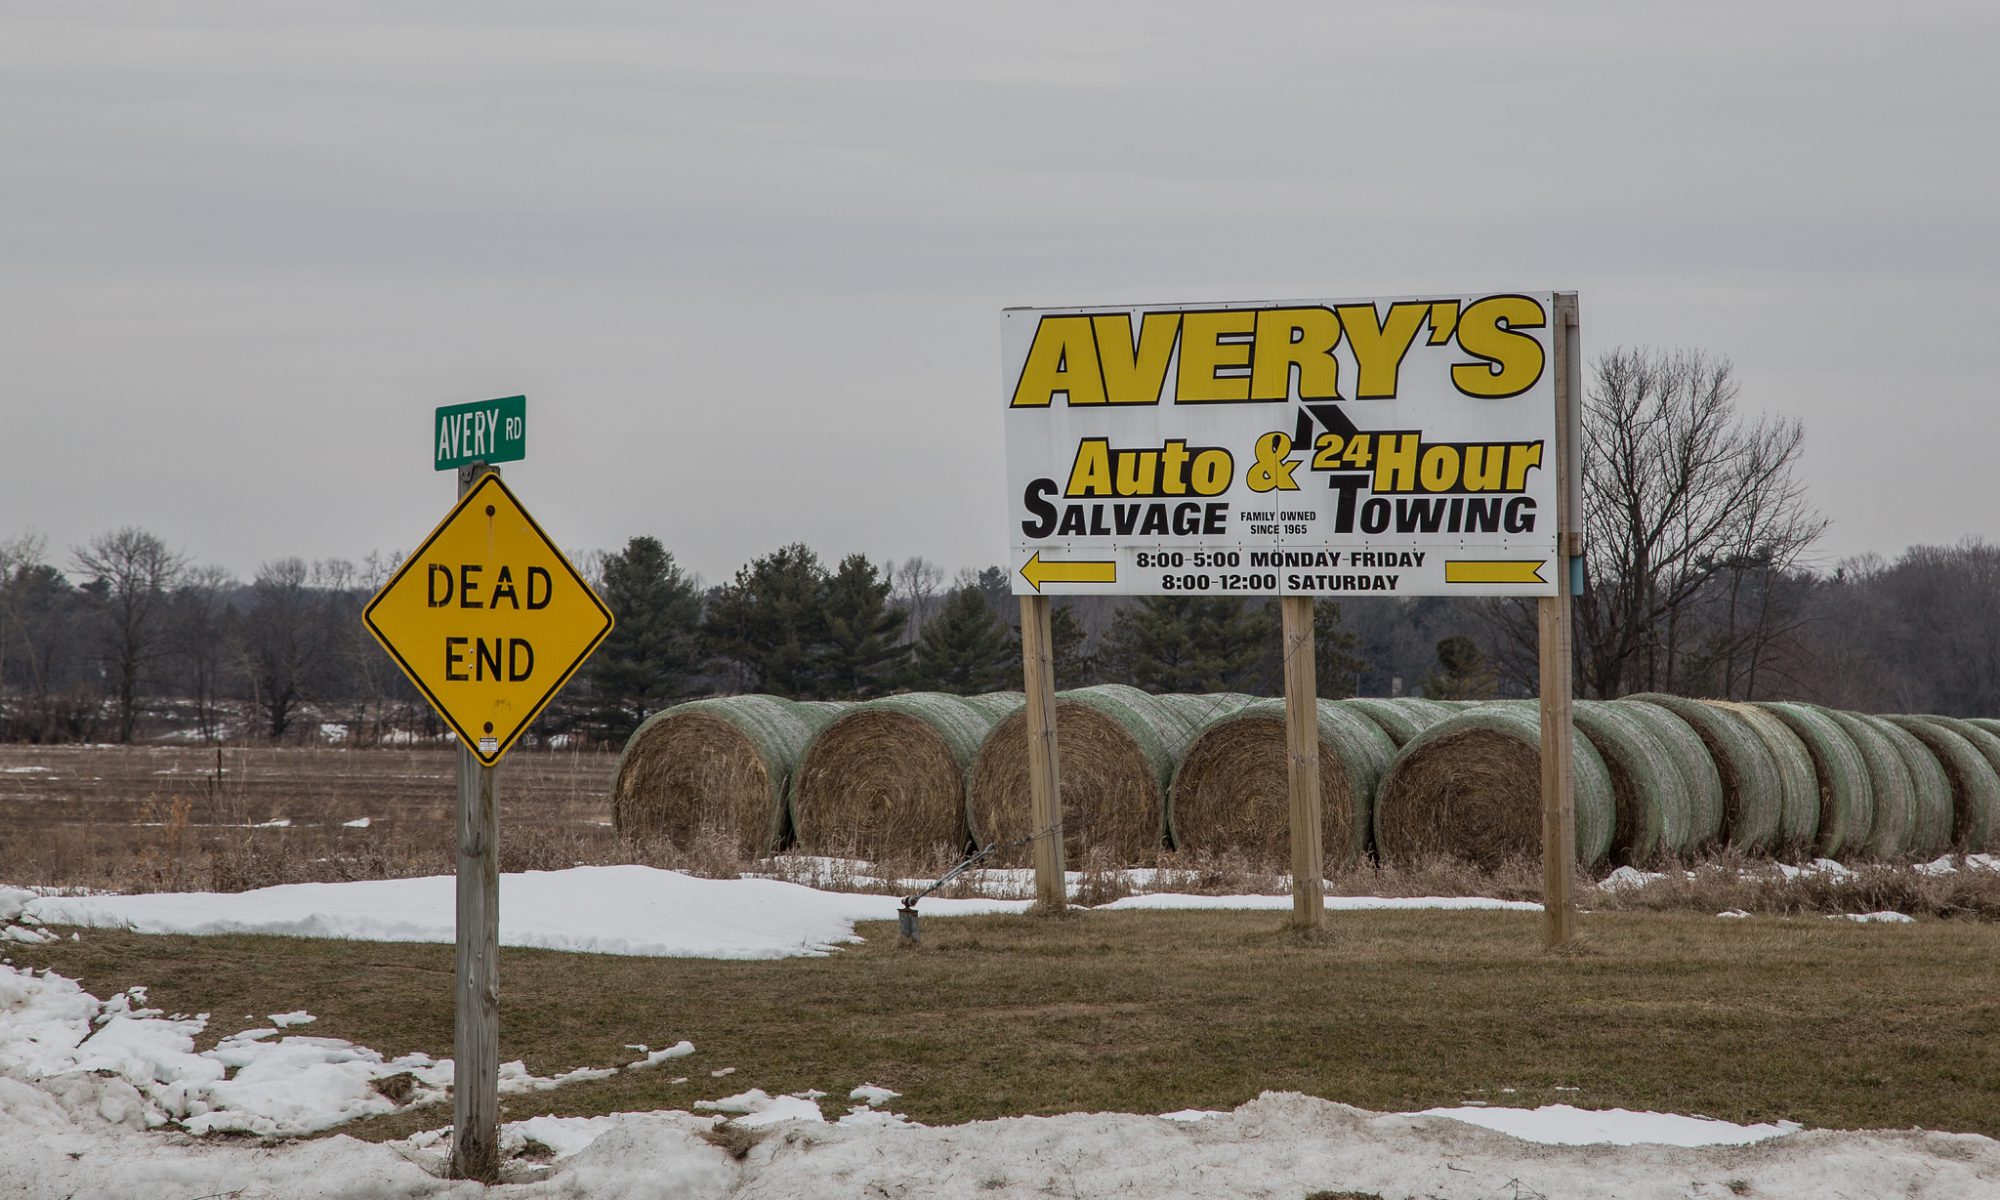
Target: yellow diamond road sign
[[488, 619]]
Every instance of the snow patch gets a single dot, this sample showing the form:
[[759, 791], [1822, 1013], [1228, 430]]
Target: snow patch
[[1565, 1125]]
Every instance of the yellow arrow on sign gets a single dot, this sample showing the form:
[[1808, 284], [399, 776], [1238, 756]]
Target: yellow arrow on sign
[[1037, 572], [1472, 570]]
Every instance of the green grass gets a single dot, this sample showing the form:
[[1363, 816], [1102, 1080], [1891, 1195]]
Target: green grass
[[1826, 1022]]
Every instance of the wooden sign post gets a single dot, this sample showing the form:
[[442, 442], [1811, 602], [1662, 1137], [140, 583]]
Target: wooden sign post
[[1553, 619], [489, 621], [475, 1092], [1044, 769], [1302, 763]]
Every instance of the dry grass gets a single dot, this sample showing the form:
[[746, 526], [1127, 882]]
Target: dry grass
[[1729, 882], [1826, 1022], [167, 818]]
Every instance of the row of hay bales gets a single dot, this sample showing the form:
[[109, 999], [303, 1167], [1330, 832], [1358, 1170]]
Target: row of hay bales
[[926, 775]]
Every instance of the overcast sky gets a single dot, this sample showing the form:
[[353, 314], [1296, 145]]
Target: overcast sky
[[747, 261]]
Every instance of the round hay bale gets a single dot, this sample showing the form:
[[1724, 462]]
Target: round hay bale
[[1401, 717], [1748, 774], [1113, 771], [1963, 749], [998, 705], [1846, 795], [819, 713], [1930, 790], [1232, 790], [1654, 810], [1470, 787], [1696, 765], [1989, 724], [887, 778], [718, 764], [1895, 804], [1798, 783]]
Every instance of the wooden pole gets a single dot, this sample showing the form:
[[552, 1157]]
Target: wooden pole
[[475, 1101], [1044, 773], [1302, 762], [1553, 619]]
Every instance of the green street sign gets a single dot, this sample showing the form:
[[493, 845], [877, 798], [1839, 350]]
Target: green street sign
[[488, 431]]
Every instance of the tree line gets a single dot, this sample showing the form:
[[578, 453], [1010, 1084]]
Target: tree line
[[1699, 579]]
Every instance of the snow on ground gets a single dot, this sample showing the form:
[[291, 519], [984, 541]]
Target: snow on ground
[[604, 910], [607, 910], [1333, 903], [136, 1066], [1279, 1145], [1563, 1125], [82, 1080]]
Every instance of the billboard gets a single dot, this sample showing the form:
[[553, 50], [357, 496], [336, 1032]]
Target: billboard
[[1402, 446]]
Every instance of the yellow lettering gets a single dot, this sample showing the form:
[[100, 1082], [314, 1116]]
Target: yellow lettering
[[1396, 462], [1301, 337], [1379, 347], [1520, 457], [1135, 375], [1203, 353], [1483, 466], [1489, 330], [1062, 359], [1438, 469], [1090, 474]]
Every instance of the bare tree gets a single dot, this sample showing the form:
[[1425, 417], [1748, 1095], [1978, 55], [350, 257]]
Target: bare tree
[[285, 637], [130, 576], [1682, 495], [916, 586], [199, 633]]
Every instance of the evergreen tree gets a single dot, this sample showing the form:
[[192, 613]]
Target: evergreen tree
[[965, 649], [1336, 667], [768, 622], [646, 662], [860, 656], [1463, 672], [1073, 666], [1189, 643]]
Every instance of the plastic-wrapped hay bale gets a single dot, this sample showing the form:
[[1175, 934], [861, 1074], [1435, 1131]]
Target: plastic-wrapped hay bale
[[998, 705], [1846, 795], [1971, 760], [1401, 717], [1930, 791], [1115, 757], [1232, 790], [1894, 796], [1654, 811], [887, 778], [1470, 786], [819, 713], [1696, 765], [1798, 783], [722, 763], [1752, 791], [1989, 724]]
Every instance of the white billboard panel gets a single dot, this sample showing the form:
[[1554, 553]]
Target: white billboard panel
[[1399, 446]]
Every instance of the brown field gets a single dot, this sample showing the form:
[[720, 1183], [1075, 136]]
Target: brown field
[[142, 818], [1826, 1022]]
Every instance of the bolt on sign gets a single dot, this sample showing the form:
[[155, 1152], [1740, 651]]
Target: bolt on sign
[[488, 619], [1310, 448]]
